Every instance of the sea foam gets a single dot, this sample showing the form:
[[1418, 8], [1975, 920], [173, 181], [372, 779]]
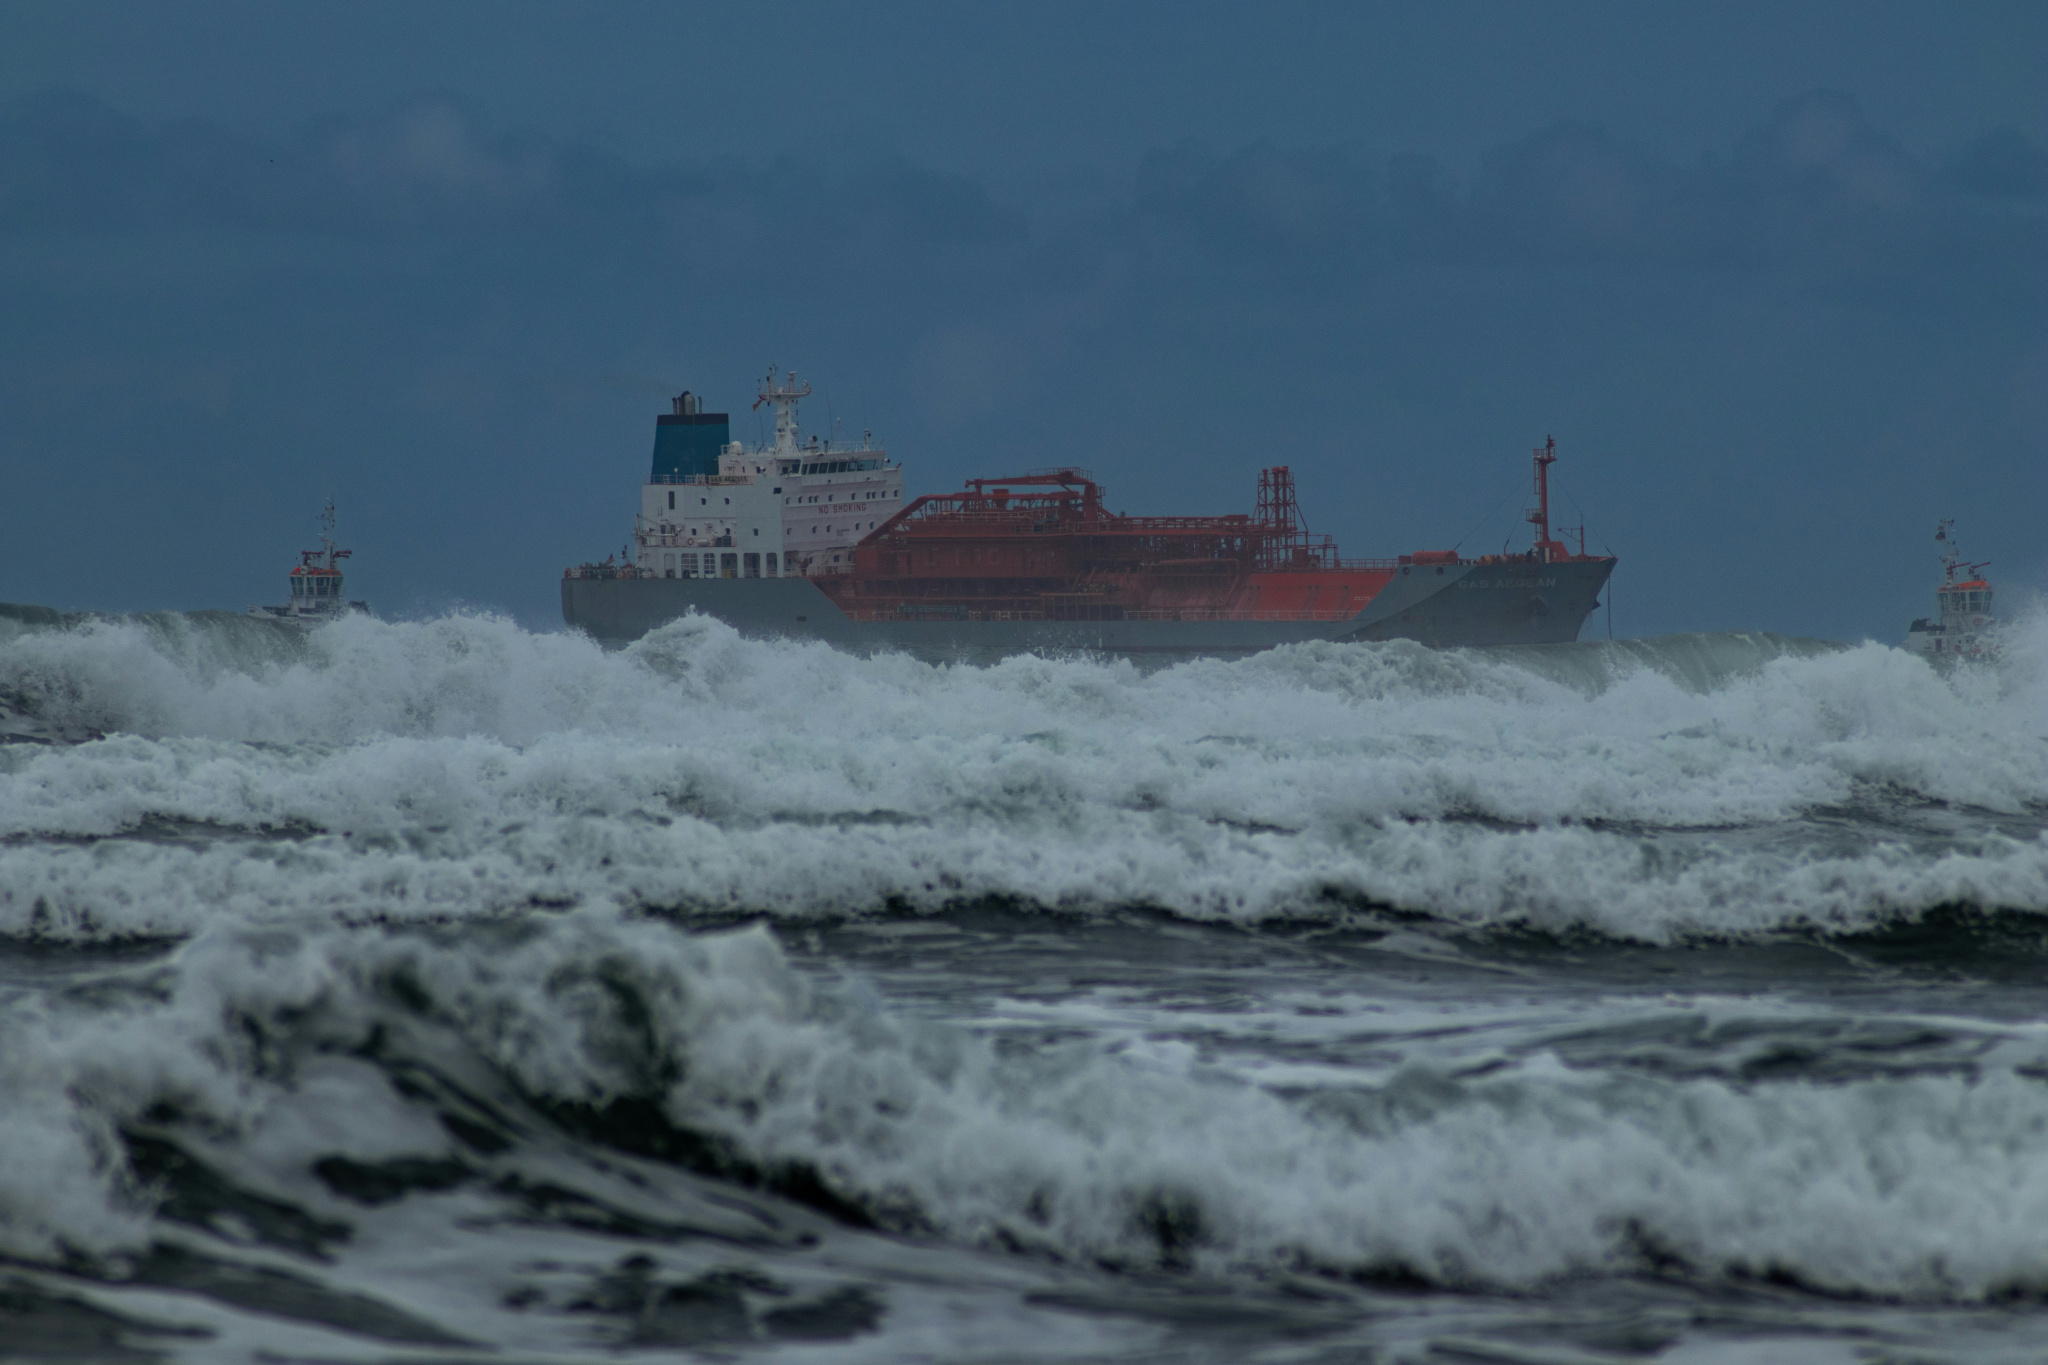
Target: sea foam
[[1514, 1174], [464, 766], [388, 851]]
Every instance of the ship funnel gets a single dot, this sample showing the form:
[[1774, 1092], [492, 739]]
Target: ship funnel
[[687, 441]]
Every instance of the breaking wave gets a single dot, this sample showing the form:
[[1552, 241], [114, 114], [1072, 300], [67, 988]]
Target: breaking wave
[[1715, 786], [328, 1073], [331, 960]]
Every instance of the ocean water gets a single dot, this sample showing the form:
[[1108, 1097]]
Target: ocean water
[[441, 991]]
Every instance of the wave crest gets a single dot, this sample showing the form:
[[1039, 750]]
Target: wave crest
[[462, 766], [289, 1056]]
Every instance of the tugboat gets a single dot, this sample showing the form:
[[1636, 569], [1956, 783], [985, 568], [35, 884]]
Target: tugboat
[[316, 594], [1964, 628]]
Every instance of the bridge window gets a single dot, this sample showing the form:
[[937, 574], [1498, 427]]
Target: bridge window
[[771, 566], [671, 499], [728, 566], [753, 563]]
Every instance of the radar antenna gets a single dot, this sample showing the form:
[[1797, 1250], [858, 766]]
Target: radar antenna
[[328, 556], [784, 396], [1952, 553]]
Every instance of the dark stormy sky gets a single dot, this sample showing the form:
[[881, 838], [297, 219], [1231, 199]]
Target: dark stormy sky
[[1774, 275]]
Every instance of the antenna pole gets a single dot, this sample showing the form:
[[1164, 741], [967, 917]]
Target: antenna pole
[[327, 529], [1544, 456], [785, 397]]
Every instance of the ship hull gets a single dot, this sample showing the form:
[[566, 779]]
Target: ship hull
[[1514, 602]]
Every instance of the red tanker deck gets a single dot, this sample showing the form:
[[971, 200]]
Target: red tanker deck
[[1042, 546]]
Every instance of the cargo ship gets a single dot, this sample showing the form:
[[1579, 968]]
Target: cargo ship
[[811, 538]]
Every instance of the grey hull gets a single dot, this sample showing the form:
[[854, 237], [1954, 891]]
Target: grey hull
[[1449, 605]]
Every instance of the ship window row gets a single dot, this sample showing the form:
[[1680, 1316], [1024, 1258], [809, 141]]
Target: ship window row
[[841, 466], [875, 496], [716, 564], [328, 585]]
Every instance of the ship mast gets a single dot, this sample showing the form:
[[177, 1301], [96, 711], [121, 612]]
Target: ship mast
[[1539, 516], [327, 557], [1952, 554], [784, 396], [327, 531]]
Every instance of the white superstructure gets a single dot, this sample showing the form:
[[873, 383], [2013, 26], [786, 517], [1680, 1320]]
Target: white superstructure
[[792, 508], [316, 584], [1964, 627]]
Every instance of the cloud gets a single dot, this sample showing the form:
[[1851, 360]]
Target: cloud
[[69, 164], [1814, 197], [434, 148], [2003, 164], [1260, 198], [1819, 148], [421, 221], [1568, 195], [1815, 201]]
